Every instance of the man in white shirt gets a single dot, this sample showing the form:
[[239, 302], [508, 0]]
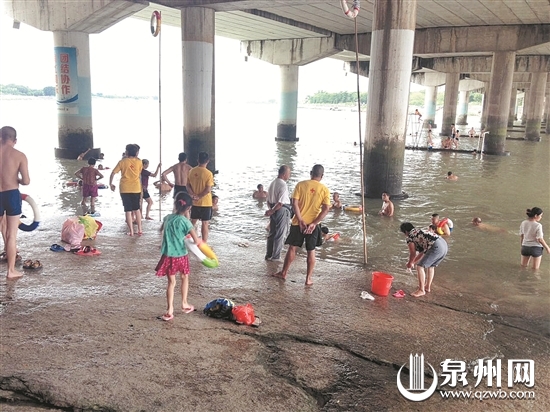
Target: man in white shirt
[[278, 201]]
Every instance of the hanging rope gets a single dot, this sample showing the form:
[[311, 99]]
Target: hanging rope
[[363, 216], [155, 31], [354, 11]]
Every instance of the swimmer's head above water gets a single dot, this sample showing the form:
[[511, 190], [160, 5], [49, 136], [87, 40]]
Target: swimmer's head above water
[[476, 221]]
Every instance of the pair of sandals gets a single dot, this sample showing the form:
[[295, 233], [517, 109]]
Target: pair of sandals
[[4, 257], [32, 264]]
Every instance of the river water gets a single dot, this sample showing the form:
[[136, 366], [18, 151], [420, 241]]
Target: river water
[[497, 189]]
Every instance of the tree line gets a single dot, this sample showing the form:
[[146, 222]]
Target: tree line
[[18, 90], [415, 98]]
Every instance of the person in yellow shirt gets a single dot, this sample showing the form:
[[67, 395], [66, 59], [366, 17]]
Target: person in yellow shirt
[[130, 186], [199, 186], [310, 203]]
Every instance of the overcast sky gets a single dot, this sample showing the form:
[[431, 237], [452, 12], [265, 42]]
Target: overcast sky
[[124, 61]]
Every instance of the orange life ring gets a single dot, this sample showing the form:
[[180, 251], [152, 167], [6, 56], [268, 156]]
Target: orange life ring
[[155, 23]]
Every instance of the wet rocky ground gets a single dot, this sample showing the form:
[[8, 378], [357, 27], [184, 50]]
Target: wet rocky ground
[[82, 334]]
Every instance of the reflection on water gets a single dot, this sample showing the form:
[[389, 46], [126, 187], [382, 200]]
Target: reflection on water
[[497, 189]]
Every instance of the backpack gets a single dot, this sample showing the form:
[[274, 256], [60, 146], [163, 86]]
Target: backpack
[[219, 308]]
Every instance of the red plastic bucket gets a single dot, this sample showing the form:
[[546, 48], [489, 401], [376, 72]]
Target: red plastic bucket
[[381, 283]]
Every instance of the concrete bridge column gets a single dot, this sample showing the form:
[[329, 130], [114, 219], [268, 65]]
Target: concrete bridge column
[[512, 112], [485, 99], [498, 104], [288, 114], [452, 81], [526, 100], [74, 94], [462, 118], [389, 83], [197, 28], [535, 107], [430, 105], [547, 117]]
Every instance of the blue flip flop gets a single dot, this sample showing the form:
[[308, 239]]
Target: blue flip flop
[[57, 248]]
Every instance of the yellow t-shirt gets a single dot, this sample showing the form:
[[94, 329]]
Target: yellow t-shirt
[[130, 168], [311, 195], [199, 177]]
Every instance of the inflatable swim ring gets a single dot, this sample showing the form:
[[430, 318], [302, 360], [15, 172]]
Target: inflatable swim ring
[[195, 249], [354, 208], [36, 218], [442, 223], [155, 23], [334, 237]]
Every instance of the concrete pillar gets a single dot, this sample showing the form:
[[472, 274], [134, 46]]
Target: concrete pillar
[[452, 81], [197, 28], [498, 104], [483, 122], [288, 113], [430, 106], [526, 99], [74, 94], [535, 107], [547, 117], [389, 83], [463, 98], [512, 112]]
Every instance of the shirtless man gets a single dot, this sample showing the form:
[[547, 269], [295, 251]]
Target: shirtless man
[[260, 194], [81, 155], [336, 202], [476, 221], [14, 171], [181, 172], [387, 206], [451, 176]]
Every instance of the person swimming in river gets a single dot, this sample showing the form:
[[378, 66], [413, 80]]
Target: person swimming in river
[[476, 221], [336, 202], [260, 194], [327, 236], [387, 207]]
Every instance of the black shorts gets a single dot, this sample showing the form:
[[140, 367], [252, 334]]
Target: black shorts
[[203, 213], [296, 237], [130, 201], [146, 194], [532, 251], [178, 189]]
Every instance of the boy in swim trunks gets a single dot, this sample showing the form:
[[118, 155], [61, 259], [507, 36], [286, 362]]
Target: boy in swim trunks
[[14, 171], [145, 174], [89, 175], [181, 173]]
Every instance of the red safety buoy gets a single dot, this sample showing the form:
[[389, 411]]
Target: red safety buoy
[[155, 23]]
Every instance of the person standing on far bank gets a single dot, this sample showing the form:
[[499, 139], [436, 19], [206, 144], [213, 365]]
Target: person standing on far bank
[[278, 201], [14, 171], [310, 203]]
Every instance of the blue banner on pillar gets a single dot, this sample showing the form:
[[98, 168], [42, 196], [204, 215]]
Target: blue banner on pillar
[[66, 79]]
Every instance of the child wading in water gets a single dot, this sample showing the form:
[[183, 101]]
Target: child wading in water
[[89, 175], [175, 258]]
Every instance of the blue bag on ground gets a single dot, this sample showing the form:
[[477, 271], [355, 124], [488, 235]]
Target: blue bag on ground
[[220, 308]]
